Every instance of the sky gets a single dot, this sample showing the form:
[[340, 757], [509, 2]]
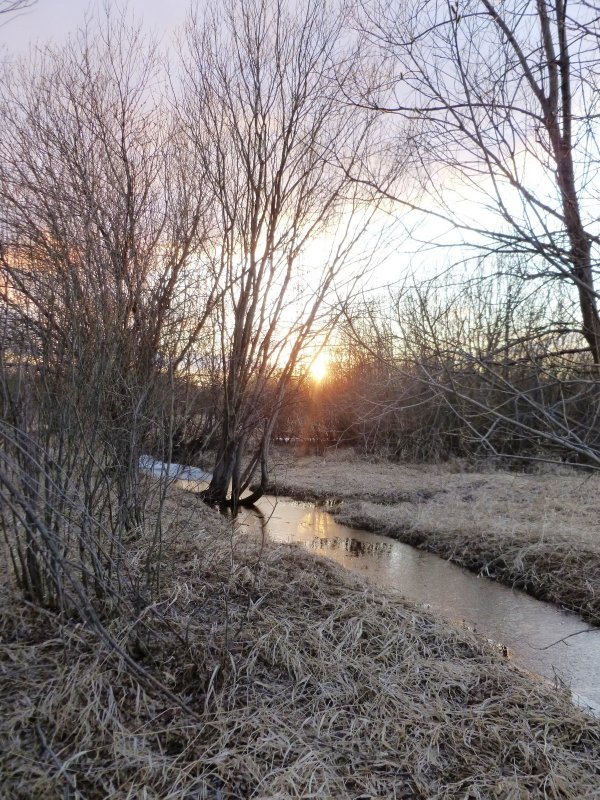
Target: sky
[[52, 20]]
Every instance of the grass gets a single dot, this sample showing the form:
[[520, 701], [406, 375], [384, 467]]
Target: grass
[[298, 679], [538, 532]]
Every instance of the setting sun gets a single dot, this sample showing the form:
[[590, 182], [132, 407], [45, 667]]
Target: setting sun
[[318, 368]]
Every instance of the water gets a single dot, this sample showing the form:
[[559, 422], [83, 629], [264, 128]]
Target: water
[[539, 636], [524, 625]]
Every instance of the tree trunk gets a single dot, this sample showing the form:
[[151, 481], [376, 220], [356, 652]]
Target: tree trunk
[[264, 477], [228, 473], [224, 468]]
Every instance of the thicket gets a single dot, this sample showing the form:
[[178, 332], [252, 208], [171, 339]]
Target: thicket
[[487, 366], [157, 286]]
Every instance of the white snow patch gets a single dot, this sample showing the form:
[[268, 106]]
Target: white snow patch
[[178, 472]]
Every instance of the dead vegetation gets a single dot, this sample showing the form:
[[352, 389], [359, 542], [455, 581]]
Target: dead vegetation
[[296, 680], [535, 532]]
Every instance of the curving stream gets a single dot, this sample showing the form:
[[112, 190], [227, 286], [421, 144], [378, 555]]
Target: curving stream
[[534, 632], [509, 617]]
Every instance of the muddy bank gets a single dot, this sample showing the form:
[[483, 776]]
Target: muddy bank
[[298, 679], [539, 533]]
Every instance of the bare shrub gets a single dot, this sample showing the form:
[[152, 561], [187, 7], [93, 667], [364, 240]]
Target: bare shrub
[[102, 217]]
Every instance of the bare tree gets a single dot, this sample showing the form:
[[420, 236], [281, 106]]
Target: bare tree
[[103, 295], [12, 6], [500, 101], [262, 103]]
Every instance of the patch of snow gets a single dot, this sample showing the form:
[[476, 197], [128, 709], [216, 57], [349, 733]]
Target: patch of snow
[[178, 472]]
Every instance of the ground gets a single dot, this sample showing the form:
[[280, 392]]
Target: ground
[[283, 677], [537, 532]]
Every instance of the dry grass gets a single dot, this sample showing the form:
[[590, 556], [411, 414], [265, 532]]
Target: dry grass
[[537, 532], [301, 680]]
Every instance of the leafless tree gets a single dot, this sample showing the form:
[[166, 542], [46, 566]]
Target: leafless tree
[[501, 104], [103, 295], [262, 102], [12, 6]]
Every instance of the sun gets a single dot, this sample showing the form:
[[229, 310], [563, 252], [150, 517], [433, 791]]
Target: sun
[[319, 367]]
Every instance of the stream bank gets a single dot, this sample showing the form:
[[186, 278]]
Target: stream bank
[[300, 680], [539, 533], [536, 636]]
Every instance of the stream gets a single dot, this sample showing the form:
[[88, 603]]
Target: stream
[[534, 632], [507, 616]]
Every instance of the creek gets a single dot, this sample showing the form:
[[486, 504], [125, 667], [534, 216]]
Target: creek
[[539, 637], [533, 632]]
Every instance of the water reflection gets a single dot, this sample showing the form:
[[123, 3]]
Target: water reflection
[[516, 621], [354, 547]]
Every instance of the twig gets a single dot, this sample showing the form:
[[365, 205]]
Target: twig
[[62, 771], [564, 638]]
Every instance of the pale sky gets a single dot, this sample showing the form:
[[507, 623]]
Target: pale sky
[[52, 20]]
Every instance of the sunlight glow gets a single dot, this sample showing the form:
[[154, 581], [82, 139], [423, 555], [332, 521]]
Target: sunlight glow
[[318, 368]]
